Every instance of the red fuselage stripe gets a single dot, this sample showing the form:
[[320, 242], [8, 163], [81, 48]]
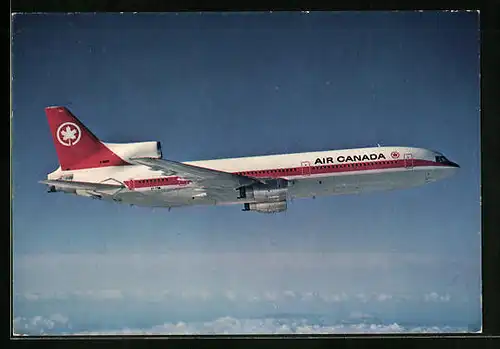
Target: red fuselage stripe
[[293, 171]]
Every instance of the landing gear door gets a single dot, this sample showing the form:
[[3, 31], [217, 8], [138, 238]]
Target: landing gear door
[[306, 168], [408, 158]]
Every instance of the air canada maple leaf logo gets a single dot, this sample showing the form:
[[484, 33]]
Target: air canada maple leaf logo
[[68, 134]]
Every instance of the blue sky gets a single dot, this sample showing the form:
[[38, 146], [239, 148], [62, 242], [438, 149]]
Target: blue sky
[[226, 85]]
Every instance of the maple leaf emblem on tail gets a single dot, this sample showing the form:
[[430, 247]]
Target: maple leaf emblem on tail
[[68, 134]]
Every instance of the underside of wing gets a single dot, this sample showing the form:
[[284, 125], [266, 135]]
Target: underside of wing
[[200, 175]]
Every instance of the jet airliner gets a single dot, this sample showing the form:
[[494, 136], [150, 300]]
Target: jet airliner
[[137, 174]]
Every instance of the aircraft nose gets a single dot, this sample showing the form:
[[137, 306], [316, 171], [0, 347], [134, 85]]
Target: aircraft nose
[[454, 164]]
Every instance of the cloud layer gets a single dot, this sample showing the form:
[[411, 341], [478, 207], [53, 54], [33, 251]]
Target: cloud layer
[[225, 325], [39, 325], [232, 295], [138, 291]]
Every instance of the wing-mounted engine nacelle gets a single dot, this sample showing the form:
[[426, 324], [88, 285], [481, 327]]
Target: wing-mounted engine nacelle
[[272, 190], [266, 207]]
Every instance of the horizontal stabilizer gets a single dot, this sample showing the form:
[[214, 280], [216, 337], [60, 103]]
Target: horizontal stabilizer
[[81, 185]]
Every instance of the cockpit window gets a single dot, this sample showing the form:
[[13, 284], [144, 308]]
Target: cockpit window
[[441, 159]]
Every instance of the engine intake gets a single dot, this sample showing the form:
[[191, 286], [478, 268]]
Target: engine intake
[[273, 190], [266, 207], [137, 149]]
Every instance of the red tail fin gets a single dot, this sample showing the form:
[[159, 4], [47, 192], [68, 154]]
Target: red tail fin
[[77, 148]]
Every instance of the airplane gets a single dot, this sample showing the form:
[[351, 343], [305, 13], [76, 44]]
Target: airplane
[[138, 175]]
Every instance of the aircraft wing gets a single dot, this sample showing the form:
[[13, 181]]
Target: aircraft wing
[[201, 175], [64, 184]]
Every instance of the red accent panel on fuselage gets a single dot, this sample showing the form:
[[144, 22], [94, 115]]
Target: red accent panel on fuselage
[[290, 172]]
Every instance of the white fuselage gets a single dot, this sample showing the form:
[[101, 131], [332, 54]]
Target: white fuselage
[[308, 174]]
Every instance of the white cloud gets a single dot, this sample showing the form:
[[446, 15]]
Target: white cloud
[[230, 295], [58, 318], [39, 325], [229, 325], [435, 297], [58, 324]]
